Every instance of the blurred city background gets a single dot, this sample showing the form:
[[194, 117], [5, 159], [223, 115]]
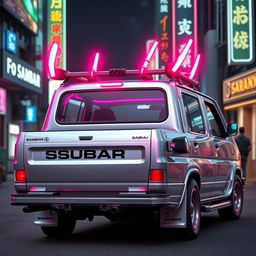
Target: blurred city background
[[223, 33]]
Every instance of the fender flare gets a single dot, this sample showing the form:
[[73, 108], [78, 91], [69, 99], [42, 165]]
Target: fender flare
[[193, 172]]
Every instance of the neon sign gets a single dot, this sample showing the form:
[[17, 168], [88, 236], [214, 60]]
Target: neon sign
[[240, 35], [57, 29], [164, 31], [184, 28]]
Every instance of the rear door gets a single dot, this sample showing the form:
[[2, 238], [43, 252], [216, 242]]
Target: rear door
[[110, 160], [223, 148], [200, 142]]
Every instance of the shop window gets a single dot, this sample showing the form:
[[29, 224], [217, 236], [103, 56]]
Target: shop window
[[1, 131]]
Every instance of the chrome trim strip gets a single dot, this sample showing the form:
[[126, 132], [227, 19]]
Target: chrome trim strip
[[27, 200], [210, 208], [213, 198], [214, 182], [168, 184]]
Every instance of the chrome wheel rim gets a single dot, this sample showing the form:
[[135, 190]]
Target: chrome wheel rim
[[195, 209], [237, 197]]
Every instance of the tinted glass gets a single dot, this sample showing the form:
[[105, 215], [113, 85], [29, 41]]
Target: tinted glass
[[216, 126], [193, 114], [112, 107]]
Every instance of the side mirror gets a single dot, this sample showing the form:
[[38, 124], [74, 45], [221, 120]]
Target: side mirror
[[179, 145], [232, 129]]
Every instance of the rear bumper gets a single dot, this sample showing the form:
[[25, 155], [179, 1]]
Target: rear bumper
[[48, 198]]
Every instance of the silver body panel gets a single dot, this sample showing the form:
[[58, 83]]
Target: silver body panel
[[124, 181]]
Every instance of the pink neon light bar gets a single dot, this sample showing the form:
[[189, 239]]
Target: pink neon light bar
[[95, 64], [128, 100], [182, 56], [195, 66], [149, 56], [52, 58], [111, 84]]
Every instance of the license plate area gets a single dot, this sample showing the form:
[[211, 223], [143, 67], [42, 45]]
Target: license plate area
[[87, 154]]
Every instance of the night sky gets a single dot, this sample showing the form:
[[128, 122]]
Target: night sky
[[117, 28]]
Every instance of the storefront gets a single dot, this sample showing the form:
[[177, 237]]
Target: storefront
[[20, 73], [239, 100]]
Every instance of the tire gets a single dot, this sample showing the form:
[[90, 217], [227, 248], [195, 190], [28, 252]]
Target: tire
[[193, 212], [234, 211], [66, 225]]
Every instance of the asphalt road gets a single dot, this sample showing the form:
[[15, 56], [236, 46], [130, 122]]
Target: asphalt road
[[19, 236]]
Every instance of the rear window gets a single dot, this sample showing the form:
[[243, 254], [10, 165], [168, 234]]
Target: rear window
[[112, 107]]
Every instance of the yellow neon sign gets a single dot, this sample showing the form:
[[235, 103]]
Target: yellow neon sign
[[239, 86]]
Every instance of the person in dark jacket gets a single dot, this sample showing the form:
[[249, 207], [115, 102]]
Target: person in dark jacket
[[244, 146]]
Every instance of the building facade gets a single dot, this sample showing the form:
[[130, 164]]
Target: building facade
[[20, 72]]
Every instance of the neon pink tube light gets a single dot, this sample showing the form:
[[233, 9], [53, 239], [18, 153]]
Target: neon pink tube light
[[95, 64], [182, 56], [149, 56], [52, 58], [195, 67], [128, 100]]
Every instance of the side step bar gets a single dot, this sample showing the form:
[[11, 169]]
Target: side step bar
[[214, 207]]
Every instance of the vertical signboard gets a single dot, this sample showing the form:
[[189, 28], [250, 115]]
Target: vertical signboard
[[31, 112], [10, 41], [240, 34], [57, 33], [184, 27], [163, 26], [57, 29]]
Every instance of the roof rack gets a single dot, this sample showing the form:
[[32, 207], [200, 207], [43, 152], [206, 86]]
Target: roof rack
[[122, 72], [144, 73]]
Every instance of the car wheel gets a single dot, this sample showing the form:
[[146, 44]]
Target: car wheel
[[66, 225], [234, 211], [193, 213]]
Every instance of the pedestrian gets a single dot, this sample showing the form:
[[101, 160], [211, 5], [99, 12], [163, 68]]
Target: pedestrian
[[244, 146]]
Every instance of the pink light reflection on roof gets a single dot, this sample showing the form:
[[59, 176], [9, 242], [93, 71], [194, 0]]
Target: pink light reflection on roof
[[128, 100], [182, 56]]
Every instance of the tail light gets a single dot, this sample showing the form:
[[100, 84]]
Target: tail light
[[157, 175], [19, 176]]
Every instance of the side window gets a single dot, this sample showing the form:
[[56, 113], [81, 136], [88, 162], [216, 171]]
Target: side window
[[193, 114], [216, 126]]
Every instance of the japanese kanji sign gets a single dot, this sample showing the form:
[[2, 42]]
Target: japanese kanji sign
[[163, 26], [57, 29], [240, 35], [184, 27]]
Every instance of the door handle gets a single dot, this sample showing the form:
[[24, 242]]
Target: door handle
[[196, 145], [217, 146], [85, 137]]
